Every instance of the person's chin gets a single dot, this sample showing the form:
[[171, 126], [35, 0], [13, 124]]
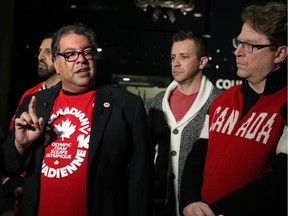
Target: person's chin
[[241, 73]]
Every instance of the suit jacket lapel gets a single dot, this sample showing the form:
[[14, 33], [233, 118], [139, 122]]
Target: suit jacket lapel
[[103, 104]]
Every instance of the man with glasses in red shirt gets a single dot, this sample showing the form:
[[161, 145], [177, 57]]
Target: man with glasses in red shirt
[[85, 148]]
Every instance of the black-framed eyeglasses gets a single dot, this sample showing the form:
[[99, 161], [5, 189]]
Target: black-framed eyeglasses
[[73, 55], [248, 47]]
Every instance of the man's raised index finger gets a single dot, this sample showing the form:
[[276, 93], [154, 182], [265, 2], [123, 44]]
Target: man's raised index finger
[[32, 105]]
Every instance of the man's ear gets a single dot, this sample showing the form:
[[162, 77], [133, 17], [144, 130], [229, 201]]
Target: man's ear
[[203, 62], [56, 66], [281, 54]]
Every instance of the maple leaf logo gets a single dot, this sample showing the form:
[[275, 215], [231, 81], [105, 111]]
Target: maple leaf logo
[[64, 130]]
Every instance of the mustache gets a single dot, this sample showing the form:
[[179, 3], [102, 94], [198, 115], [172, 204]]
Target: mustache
[[43, 62]]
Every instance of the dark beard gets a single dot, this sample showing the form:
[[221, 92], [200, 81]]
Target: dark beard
[[45, 73]]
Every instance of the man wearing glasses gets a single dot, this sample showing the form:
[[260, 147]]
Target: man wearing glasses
[[239, 166], [85, 148]]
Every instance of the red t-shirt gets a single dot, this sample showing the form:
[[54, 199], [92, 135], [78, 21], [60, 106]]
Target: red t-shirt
[[181, 103], [64, 168]]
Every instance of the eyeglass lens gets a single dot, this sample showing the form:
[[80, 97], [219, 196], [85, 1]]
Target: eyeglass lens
[[73, 56]]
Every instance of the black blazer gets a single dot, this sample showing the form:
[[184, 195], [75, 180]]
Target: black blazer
[[120, 158]]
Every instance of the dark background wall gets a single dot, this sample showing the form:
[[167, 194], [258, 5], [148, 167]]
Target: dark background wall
[[132, 42]]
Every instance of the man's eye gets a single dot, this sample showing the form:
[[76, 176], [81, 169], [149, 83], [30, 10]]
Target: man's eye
[[247, 44], [48, 51], [88, 52], [69, 54]]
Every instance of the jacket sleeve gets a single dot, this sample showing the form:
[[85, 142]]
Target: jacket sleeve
[[141, 165], [10, 184], [193, 174], [14, 163], [264, 196]]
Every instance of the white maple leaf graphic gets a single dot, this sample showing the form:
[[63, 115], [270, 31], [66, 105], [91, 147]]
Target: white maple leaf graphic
[[64, 130]]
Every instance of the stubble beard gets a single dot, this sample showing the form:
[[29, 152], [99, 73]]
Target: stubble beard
[[46, 72]]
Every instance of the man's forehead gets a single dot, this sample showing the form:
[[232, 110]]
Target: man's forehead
[[74, 41]]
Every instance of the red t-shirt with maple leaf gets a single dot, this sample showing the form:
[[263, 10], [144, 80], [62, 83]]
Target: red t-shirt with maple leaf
[[63, 177]]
